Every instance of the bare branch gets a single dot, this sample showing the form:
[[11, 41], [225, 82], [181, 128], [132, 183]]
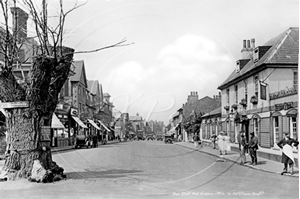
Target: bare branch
[[119, 44]]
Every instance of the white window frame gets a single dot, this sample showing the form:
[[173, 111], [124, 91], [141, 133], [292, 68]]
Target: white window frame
[[276, 130]]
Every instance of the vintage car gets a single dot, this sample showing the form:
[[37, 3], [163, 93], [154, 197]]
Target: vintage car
[[159, 137], [150, 137], [169, 139], [82, 140]]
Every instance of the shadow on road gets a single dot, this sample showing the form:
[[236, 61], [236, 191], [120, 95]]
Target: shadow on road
[[90, 174]]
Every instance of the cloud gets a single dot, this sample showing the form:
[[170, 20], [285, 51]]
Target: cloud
[[192, 63]]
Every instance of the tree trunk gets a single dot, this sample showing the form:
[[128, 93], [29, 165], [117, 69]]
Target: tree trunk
[[26, 151]]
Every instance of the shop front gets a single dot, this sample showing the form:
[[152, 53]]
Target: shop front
[[59, 133], [77, 127]]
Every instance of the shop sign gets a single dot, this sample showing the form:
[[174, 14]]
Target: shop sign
[[284, 106], [283, 93], [8, 105], [45, 133], [74, 112]]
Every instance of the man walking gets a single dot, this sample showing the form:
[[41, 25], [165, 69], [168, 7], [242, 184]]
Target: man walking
[[253, 146]]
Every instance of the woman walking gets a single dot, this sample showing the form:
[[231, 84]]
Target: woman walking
[[220, 139], [196, 140], [242, 147], [286, 144]]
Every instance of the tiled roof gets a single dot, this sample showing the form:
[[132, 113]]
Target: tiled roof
[[284, 50], [93, 86], [79, 65], [213, 112]]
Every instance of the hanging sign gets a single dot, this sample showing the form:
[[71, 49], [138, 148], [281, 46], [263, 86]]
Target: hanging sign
[[8, 105], [45, 133]]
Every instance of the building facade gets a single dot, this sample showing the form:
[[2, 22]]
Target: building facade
[[261, 94]]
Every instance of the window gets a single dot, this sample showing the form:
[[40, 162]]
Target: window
[[246, 90], [294, 128], [66, 87], [276, 129], [227, 95], [255, 121], [236, 93], [295, 76], [256, 86]]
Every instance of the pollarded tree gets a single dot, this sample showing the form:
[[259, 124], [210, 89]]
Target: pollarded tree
[[27, 156]]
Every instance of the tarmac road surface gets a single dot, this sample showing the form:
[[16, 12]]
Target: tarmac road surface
[[152, 169]]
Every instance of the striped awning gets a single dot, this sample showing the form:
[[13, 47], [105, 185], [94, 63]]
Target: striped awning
[[56, 123], [94, 124], [104, 125], [79, 122]]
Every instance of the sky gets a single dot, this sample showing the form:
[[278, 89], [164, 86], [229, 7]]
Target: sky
[[176, 46]]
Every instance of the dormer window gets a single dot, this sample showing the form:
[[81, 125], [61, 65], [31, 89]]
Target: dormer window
[[240, 64], [259, 52]]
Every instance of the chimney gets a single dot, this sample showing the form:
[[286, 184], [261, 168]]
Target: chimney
[[246, 50], [244, 44], [19, 21], [253, 43]]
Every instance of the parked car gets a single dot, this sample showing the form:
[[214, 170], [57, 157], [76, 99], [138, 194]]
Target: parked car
[[169, 139], [150, 137], [159, 137], [82, 140], [140, 137]]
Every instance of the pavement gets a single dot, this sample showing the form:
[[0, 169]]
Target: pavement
[[263, 164]]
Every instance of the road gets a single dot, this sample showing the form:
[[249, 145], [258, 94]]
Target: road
[[152, 169]]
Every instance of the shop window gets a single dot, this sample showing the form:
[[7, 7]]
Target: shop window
[[293, 127], [295, 77], [276, 129], [255, 120]]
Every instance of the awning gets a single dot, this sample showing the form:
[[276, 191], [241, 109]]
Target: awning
[[94, 124], [79, 122], [104, 126], [56, 124]]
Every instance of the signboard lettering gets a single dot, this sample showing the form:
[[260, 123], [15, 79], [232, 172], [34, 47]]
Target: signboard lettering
[[45, 133], [74, 112], [8, 105], [284, 106]]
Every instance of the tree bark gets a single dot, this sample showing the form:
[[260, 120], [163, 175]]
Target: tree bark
[[48, 75]]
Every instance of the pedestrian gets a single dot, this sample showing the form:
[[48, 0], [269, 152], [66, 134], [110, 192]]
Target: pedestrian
[[213, 139], [179, 138], [242, 147], [220, 139], [286, 144], [226, 144], [253, 147], [196, 140]]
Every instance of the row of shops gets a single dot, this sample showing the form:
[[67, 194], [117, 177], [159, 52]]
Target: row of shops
[[268, 126], [66, 125]]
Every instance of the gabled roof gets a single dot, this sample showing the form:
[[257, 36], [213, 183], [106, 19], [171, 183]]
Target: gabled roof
[[284, 50], [93, 87], [213, 112], [79, 70], [135, 118]]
